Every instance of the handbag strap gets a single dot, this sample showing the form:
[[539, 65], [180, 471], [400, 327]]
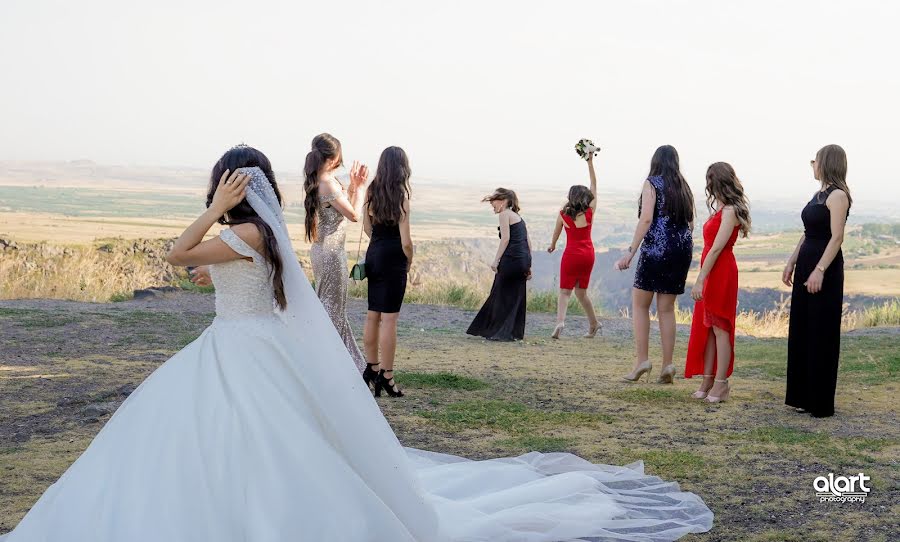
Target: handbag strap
[[359, 245]]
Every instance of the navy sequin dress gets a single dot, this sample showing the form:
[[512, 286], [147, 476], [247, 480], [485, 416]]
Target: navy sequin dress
[[666, 250]]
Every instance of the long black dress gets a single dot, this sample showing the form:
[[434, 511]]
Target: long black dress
[[386, 269], [502, 317], [814, 340]]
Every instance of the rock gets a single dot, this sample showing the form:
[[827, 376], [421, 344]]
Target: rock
[[95, 410], [152, 293], [6, 244]]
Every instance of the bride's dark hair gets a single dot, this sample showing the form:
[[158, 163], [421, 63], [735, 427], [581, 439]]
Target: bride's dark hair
[[243, 213]]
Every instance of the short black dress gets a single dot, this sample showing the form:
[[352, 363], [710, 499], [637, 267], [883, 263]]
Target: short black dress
[[502, 317], [386, 269], [666, 251], [814, 335]]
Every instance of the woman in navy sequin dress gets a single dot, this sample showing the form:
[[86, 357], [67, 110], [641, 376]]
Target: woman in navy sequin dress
[[663, 235]]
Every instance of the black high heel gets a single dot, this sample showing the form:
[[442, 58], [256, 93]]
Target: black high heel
[[387, 384], [370, 377]]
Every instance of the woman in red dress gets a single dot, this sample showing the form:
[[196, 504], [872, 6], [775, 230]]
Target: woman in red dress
[[716, 289], [577, 262]]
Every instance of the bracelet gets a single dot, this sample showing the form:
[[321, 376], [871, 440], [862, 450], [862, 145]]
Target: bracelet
[[820, 268]]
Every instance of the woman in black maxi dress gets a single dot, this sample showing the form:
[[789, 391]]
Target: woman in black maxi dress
[[814, 340], [502, 317]]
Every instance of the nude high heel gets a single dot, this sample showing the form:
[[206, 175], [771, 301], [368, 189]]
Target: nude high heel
[[635, 375], [702, 394], [720, 398], [666, 375], [557, 330], [593, 331]]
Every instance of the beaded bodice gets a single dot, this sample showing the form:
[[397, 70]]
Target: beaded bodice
[[243, 288]]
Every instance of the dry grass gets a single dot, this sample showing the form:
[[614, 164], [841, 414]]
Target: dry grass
[[99, 271]]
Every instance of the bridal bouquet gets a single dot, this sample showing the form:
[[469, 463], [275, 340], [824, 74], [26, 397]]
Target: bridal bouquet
[[585, 147]]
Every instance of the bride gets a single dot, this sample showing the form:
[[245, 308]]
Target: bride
[[254, 433]]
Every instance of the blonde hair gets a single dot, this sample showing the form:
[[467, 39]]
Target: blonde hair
[[723, 185], [507, 195]]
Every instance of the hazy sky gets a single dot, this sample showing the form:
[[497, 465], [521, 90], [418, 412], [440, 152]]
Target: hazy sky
[[475, 91]]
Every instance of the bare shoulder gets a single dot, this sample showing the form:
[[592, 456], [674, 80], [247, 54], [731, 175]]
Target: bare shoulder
[[838, 196], [329, 186], [728, 210], [249, 234]]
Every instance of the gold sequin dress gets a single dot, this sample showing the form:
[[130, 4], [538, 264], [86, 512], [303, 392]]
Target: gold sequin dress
[[329, 263]]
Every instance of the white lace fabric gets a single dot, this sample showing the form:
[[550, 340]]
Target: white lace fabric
[[243, 288]]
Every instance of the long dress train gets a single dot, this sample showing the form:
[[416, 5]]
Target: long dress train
[[261, 430]]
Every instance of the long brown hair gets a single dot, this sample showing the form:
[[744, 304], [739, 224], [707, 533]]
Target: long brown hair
[[242, 213], [831, 166], [324, 148], [507, 195], [678, 200], [723, 185], [580, 198], [390, 187]]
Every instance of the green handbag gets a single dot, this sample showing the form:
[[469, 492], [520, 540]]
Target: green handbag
[[358, 271]]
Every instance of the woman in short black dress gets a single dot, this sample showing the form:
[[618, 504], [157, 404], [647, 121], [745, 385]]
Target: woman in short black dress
[[663, 234], [815, 272], [388, 259], [502, 317]]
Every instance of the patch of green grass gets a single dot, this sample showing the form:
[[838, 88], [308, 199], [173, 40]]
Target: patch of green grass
[[787, 536], [538, 443], [187, 285], [11, 450], [641, 394], [120, 297], [509, 416], [675, 464], [36, 318], [440, 380], [785, 435]]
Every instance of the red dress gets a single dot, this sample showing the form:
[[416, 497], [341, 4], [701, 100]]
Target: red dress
[[578, 258], [719, 304]]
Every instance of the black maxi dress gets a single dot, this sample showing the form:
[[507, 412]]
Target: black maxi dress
[[502, 317], [814, 336]]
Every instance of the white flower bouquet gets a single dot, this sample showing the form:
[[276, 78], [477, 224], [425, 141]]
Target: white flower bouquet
[[585, 148]]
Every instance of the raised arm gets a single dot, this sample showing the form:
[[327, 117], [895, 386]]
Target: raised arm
[[648, 202], [593, 174], [504, 240], [349, 205], [191, 249], [838, 203], [405, 235], [726, 227], [557, 230]]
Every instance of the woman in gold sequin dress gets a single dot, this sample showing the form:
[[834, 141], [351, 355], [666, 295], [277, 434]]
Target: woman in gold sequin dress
[[328, 207]]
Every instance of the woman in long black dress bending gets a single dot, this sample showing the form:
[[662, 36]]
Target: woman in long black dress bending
[[502, 317], [815, 271], [388, 259]]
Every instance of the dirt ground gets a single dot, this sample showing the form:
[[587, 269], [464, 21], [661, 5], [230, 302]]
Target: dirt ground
[[65, 367]]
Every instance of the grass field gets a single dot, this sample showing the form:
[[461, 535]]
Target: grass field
[[751, 459]]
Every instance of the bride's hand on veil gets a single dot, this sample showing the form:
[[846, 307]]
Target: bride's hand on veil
[[231, 191]]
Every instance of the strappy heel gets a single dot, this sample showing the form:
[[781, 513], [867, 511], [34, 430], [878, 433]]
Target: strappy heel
[[557, 330], [667, 374], [387, 384], [641, 369], [700, 394], [720, 398], [370, 375]]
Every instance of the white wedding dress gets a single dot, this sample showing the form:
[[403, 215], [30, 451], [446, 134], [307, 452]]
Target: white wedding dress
[[261, 430]]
